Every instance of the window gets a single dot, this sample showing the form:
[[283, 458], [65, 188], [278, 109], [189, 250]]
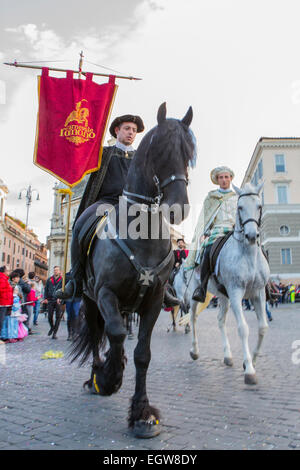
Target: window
[[284, 230], [4, 241], [8, 259], [282, 195], [3, 256], [279, 163], [286, 257], [9, 243], [18, 263], [14, 248]]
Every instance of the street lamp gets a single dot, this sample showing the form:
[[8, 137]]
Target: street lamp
[[28, 196]]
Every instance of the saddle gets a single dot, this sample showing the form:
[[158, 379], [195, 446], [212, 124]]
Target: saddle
[[92, 227], [214, 253]]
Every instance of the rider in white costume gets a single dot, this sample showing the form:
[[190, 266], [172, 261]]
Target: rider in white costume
[[216, 219]]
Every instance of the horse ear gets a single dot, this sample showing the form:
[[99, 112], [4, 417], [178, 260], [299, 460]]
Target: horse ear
[[188, 117], [162, 113], [237, 190], [260, 186]]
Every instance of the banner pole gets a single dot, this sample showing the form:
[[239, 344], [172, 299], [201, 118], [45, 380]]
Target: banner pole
[[69, 192], [16, 64], [80, 64]]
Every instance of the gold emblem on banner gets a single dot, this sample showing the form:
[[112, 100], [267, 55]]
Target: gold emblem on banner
[[81, 132]]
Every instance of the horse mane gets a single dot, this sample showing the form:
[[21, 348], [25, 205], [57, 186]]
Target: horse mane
[[165, 139]]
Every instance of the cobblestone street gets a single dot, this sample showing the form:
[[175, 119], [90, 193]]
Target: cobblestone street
[[204, 404]]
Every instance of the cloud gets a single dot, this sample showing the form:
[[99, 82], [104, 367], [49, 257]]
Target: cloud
[[29, 31], [2, 92], [226, 59]]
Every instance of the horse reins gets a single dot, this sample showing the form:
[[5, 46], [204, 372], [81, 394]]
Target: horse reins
[[157, 199]]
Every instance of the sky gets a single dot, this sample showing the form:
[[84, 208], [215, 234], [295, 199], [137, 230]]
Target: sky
[[236, 62]]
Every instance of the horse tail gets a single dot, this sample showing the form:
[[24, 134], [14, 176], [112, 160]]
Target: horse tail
[[91, 337]]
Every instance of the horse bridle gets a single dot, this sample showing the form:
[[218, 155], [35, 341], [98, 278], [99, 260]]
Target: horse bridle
[[145, 206], [243, 223], [147, 200]]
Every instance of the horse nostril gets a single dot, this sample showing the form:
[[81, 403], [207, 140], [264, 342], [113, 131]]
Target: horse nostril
[[250, 238]]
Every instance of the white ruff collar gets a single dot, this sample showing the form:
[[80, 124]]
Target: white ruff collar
[[126, 148]]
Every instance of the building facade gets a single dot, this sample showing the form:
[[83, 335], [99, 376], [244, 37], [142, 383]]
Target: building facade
[[32, 256], [3, 197], [57, 238], [14, 252], [276, 161]]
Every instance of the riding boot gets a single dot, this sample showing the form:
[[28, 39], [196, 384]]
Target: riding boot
[[200, 292], [169, 298]]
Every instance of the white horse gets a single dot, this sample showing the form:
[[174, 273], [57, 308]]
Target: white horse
[[244, 271]]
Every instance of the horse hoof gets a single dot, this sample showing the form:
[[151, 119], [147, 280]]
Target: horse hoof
[[146, 429], [194, 356], [228, 361], [250, 379]]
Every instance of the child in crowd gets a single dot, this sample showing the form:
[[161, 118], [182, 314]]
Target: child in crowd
[[31, 299]]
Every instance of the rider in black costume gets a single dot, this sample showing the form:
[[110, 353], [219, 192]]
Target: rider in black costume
[[104, 186]]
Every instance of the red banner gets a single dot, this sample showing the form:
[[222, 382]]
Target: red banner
[[71, 125]]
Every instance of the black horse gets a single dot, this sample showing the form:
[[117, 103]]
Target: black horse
[[129, 275]]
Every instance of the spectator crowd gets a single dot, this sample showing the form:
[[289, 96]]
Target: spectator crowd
[[23, 297]]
